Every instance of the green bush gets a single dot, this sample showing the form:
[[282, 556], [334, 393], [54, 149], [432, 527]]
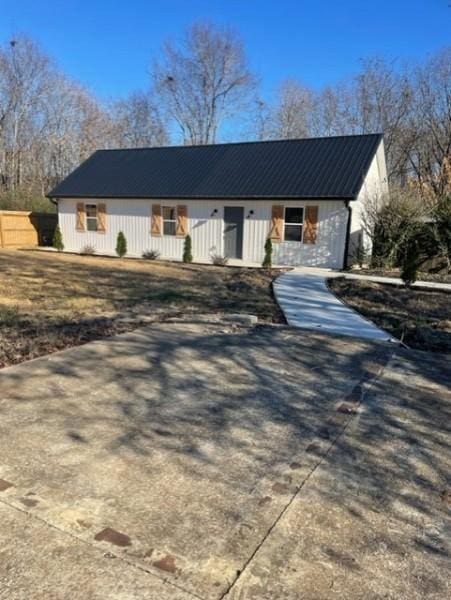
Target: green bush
[[361, 255], [121, 245], [267, 261], [442, 230], [58, 239], [187, 250], [404, 223], [394, 222], [411, 263]]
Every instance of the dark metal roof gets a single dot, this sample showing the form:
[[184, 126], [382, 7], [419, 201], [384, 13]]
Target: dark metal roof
[[332, 167]]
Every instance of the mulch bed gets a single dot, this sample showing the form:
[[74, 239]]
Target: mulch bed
[[420, 318]]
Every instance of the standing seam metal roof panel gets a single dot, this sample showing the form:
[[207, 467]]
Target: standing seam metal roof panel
[[331, 167]]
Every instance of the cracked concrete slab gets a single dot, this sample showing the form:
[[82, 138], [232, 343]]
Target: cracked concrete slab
[[186, 452], [40, 562], [373, 521]]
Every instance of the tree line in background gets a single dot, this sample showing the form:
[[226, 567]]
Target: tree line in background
[[199, 88]]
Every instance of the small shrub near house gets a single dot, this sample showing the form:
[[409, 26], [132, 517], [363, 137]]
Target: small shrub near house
[[219, 260], [442, 230], [267, 261], [88, 250], [151, 254], [187, 250], [121, 245], [396, 223], [361, 255], [58, 239], [411, 263], [411, 234]]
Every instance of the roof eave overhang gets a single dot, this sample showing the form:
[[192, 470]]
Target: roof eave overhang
[[219, 198]]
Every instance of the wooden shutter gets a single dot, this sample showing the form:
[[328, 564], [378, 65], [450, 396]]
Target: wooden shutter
[[156, 225], [182, 221], [310, 224], [101, 218], [276, 231], [81, 217]]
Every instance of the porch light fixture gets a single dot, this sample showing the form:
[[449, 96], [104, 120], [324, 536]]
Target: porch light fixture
[[215, 210], [251, 212]]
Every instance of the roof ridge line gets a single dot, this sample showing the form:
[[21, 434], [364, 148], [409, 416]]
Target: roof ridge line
[[242, 143]]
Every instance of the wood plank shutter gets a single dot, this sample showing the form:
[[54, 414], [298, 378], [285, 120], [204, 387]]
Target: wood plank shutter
[[101, 218], [310, 224], [81, 217], [276, 231], [182, 221], [156, 224]]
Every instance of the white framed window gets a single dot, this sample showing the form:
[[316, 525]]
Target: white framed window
[[294, 223], [169, 219], [91, 217]]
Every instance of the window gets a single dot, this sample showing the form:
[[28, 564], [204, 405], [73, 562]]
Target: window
[[169, 220], [294, 220], [91, 217]]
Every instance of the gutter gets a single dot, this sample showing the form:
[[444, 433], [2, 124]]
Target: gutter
[[348, 235]]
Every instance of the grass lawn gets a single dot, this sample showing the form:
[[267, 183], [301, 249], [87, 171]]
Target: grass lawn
[[422, 319], [50, 301]]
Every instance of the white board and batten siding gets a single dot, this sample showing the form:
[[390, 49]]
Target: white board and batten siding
[[374, 190], [206, 228]]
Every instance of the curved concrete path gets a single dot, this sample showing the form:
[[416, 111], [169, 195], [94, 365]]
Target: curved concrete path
[[307, 302]]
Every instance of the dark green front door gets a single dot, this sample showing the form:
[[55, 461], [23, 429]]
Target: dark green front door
[[233, 231]]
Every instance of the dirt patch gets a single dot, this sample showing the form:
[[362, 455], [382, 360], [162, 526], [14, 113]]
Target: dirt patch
[[113, 537], [167, 563], [421, 318], [49, 302], [4, 485]]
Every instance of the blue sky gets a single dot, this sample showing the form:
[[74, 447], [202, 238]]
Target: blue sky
[[108, 45]]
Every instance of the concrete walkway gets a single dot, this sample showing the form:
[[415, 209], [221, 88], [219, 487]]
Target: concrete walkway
[[329, 273], [307, 302], [430, 285]]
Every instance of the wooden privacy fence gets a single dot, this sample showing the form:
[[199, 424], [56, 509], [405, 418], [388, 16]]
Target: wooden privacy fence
[[23, 228]]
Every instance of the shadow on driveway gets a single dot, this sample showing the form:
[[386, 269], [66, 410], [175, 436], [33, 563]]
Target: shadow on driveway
[[196, 445]]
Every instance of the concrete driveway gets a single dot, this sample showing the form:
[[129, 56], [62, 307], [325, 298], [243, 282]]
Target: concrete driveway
[[188, 461]]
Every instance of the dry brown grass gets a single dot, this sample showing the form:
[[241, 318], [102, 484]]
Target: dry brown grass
[[422, 319], [49, 301]]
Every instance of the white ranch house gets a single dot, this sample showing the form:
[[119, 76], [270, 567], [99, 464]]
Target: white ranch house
[[306, 195]]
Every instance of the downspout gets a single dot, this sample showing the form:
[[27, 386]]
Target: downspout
[[348, 235]]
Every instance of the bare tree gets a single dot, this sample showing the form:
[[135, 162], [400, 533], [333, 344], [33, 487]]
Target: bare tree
[[48, 124], [293, 111], [383, 102], [430, 126], [377, 99], [25, 76], [76, 125], [262, 126], [326, 119], [203, 81], [138, 122]]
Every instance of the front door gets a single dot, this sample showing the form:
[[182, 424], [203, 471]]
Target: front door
[[233, 231]]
